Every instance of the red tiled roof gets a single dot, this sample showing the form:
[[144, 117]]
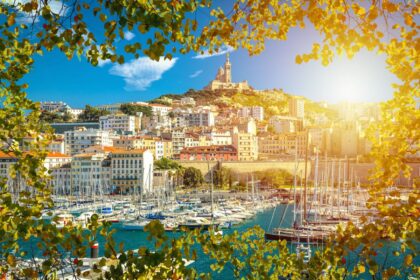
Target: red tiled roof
[[54, 154]]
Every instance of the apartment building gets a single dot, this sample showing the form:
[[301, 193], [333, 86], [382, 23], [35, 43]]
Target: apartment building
[[120, 122], [132, 170], [91, 173], [256, 112], [285, 144], [82, 138], [205, 118], [246, 145]]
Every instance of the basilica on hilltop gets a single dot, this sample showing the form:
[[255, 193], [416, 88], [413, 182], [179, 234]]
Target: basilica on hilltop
[[223, 79]]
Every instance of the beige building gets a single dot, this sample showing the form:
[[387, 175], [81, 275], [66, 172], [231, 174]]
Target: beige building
[[297, 107], [246, 145], [90, 174], [132, 170], [285, 144]]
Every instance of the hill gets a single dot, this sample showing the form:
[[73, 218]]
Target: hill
[[274, 101]]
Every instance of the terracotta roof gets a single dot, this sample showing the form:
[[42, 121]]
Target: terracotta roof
[[128, 152], [7, 155], [54, 154], [85, 155]]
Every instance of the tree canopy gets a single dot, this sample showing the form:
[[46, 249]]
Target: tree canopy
[[32, 28], [133, 109], [91, 114]]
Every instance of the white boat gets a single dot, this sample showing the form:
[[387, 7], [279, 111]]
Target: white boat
[[135, 224]]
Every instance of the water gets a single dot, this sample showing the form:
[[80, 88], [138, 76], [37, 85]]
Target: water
[[134, 239]]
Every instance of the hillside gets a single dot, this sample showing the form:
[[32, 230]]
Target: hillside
[[274, 102]]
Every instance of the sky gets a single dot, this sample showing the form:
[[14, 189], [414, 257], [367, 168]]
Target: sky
[[76, 82]]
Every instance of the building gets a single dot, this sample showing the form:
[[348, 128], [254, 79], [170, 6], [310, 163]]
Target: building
[[246, 145], [286, 124], [248, 125], [6, 162], [220, 137], [82, 138], [297, 107], [91, 174], [54, 160], [187, 101], [120, 122], [75, 112], [112, 108], [223, 79], [163, 148], [132, 170], [285, 144], [205, 118], [256, 112], [178, 140], [213, 152], [57, 146], [54, 106]]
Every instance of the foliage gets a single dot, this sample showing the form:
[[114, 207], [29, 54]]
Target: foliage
[[166, 164], [222, 176], [193, 177], [91, 114], [52, 117], [133, 109], [274, 177], [346, 27]]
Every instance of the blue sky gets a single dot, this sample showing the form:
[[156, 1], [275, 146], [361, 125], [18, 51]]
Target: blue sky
[[364, 78]]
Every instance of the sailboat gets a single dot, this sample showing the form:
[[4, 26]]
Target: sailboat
[[300, 232]]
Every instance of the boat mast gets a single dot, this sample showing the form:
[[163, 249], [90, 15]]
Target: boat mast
[[305, 179]]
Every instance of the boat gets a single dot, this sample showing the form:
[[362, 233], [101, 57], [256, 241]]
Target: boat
[[196, 222], [135, 225]]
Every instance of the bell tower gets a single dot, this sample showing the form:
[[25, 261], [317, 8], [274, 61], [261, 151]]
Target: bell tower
[[228, 70]]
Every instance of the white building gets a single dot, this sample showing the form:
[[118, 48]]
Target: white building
[[54, 160], [82, 138], [119, 122], [132, 170], [256, 112], [220, 137], [54, 106], [112, 108], [187, 101], [57, 146], [75, 112]]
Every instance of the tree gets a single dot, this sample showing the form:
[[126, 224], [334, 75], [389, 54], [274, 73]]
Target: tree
[[51, 117], [133, 109], [166, 164], [193, 178], [221, 176], [91, 114], [346, 27]]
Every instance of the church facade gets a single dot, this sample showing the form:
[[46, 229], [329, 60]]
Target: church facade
[[223, 79]]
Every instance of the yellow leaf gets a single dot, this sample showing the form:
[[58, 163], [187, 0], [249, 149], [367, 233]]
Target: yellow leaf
[[408, 260], [11, 20], [298, 59]]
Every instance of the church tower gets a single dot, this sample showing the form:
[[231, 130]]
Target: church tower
[[228, 70]]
